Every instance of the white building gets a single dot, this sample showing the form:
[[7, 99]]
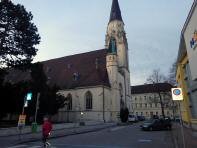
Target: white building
[[189, 33], [186, 74], [146, 102], [97, 83]]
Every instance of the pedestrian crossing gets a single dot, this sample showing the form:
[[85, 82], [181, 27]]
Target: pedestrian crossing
[[29, 146]]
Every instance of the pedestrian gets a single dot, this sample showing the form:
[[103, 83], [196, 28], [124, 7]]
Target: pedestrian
[[46, 129]]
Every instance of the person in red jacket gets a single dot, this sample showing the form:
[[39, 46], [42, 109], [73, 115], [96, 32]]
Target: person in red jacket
[[46, 129]]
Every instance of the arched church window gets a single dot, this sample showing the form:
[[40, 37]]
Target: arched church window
[[112, 46], [69, 102], [88, 100]]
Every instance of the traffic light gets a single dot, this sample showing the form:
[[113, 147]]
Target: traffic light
[[29, 96]]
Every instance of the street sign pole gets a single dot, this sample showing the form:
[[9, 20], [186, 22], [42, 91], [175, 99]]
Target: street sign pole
[[182, 131], [178, 96]]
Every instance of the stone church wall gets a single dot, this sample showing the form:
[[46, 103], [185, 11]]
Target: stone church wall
[[79, 111]]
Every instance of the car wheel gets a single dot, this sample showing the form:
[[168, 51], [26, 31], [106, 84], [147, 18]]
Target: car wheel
[[150, 128]]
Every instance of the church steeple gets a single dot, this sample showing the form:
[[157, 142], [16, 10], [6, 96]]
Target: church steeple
[[115, 11]]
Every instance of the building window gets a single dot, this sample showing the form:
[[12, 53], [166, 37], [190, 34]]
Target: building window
[[145, 105], [141, 113], [135, 98], [151, 105], [146, 113], [144, 97], [155, 104], [155, 96], [136, 105], [76, 76], [136, 113], [140, 105], [88, 98]]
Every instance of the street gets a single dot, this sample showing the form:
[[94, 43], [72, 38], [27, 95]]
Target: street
[[117, 137]]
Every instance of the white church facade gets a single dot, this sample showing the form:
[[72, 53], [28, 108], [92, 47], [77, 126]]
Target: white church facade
[[96, 83], [99, 80]]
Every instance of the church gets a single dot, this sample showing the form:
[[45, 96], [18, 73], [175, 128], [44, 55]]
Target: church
[[96, 83]]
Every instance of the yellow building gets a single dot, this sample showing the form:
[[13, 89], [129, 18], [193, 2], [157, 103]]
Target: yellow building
[[186, 71]]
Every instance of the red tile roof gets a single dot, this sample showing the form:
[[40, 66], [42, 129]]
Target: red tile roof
[[75, 71], [150, 88]]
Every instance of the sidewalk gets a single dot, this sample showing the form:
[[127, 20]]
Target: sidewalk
[[72, 129], [189, 135]]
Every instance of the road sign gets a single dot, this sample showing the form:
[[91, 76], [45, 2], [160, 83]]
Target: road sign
[[21, 121], [177, 94]]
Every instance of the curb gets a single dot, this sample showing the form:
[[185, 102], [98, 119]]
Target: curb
[[65, 135], [27, 133]]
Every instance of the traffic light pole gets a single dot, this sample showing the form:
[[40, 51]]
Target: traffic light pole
[[24, 105], [37, 106]]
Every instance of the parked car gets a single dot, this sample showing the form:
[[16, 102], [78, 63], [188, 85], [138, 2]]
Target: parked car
[[156, 124], [132, 118], [140, 118]]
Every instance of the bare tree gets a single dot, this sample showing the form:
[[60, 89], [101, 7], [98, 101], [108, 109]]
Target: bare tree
[[155, 78], [172, 74]]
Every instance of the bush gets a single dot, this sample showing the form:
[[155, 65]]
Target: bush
[[124, 112]]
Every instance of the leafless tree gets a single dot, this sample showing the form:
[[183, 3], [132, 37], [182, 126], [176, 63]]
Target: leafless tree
[[172, 74], [155, 78]]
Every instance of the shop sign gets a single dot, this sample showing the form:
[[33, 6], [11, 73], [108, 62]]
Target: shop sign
[[193, 41]]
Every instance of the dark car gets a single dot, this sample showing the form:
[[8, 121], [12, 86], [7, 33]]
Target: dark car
[[156, 124], [140, 118], [167, 124]]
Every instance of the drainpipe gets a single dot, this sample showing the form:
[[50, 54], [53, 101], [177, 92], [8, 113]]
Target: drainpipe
[[125, 90], [103, 104]]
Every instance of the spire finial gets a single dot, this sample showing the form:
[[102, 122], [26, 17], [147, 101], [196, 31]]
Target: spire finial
[[115, 11]]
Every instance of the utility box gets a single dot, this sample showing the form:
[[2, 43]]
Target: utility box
[[34, 127]]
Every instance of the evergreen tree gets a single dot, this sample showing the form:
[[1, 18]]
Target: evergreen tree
[[18, 35]]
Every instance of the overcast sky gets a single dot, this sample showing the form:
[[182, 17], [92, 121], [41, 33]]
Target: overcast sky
[[153, 30]]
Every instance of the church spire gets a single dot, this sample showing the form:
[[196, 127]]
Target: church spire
[[115, 11]]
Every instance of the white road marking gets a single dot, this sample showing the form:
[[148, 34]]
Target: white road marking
[[117, 128], [144, 140], [17, 146], [35, 147]]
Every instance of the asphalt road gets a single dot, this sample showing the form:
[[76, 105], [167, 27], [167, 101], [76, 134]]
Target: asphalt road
[[117, 137]]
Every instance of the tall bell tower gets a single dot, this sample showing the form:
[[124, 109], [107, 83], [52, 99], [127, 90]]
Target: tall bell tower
[[115, 30], [117, 60]]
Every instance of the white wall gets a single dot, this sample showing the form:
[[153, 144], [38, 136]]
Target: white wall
[[148, 109], [192, 51], [78, 105]]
